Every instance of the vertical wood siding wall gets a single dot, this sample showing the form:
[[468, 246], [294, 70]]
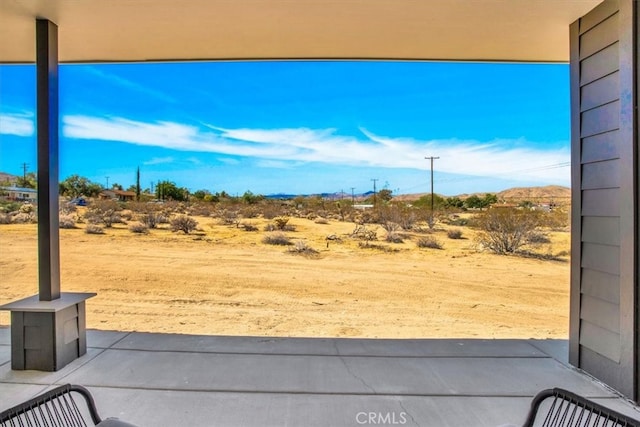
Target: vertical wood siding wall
[[602, 332]]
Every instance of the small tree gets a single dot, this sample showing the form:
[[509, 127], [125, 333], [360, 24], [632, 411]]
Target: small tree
[[505, 230]]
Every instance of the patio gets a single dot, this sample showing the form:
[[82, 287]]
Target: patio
[[168, 380]]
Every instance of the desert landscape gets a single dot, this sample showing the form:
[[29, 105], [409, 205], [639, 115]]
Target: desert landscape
[[223, 279]]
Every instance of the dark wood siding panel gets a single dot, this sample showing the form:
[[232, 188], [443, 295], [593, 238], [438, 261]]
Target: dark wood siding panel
[[604, 146], [601, 285], [599, 65], [601, 175], [601, 258], [599, 92], [601, 202], [598, 14], [600, 340], [599, 36], [601, 313], [601, 229], [601, 119]]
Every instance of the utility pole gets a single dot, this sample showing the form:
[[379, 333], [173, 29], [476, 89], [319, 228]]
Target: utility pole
[[24, 172], [374, 191], [107, 187], [353, 196], [432, 159]]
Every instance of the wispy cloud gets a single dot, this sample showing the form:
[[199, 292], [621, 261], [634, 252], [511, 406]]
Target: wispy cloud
[[512, 158], [128, 84], [158, 161], [17, 124]]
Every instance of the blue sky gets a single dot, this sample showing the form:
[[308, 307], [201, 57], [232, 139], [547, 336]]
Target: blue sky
[[300, 127]]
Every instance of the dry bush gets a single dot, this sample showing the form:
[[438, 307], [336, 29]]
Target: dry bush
[[106, 212], [383, 248], [94, 229], [538, 238], [67, 221], [27, 208], [138, 227], [126, 214], [5, 218], [281, 222], [277, 238], [362, 233], [68, 208], [505, 231], [429, 242], [393, 232], [183, 223], [321, 220], [454, 234], [301, 248], [24, 218], [246, 226]]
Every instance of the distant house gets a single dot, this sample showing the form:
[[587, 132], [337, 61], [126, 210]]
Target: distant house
[[19, 193], [120, 195]]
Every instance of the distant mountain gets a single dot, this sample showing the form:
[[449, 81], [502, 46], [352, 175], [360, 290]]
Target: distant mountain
[[555, 193], [5, 177]]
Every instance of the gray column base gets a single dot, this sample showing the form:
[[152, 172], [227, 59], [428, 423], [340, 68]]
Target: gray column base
[[47, 335]]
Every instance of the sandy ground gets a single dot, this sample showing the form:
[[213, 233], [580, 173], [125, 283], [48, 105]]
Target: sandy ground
[[225, 281]]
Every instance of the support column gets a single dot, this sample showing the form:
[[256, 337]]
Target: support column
[[47, 330], [47, 131]]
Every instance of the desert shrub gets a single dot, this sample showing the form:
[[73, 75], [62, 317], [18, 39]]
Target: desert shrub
[[27, 208], [454, 234], [94, 229], [126, 214], [276, 238], [106, 212], [393, 235], [506, 230], [5, 218], [362, 233], [67, 221], [8, 207], [429, 242], [538, 238], [183, 223], [321, 220], [24, 218], [67, 208], [376, 246], [248, 227], [138, 227], [281, 222], [301, 247]]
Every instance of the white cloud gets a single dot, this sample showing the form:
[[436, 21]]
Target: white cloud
[[17, 124], [159, 161], [513, 159]]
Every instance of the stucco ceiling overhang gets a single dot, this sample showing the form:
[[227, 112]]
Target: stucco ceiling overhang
[[167, 30]]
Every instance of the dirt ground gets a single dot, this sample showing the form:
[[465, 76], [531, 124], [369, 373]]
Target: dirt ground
[[225, 281]]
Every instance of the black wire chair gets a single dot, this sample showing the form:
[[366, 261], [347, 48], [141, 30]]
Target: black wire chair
[[54, 408], [561, 408]]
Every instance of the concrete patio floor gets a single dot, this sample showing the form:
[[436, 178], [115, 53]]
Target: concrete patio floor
[[185, 380]]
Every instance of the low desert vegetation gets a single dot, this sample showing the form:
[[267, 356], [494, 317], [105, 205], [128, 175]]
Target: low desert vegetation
[[485, 223]]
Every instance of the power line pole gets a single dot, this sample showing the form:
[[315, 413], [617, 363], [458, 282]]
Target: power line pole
[[24, 172], [353, 196], [432, 159], [107, 187], [374, 190]]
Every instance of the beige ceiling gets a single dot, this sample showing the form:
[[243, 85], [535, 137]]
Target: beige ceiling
[[154, 30]]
